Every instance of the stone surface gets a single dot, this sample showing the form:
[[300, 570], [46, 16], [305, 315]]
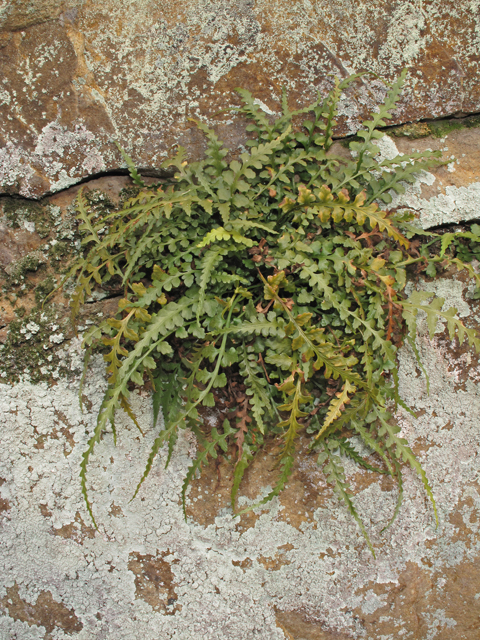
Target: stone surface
[[297, 569], [77, 74]]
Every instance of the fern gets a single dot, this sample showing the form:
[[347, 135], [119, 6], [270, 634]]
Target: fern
[[208, 449], [433, 311], [351, 452], [336, 407], [134, 175], [271, 284], [336, 477], [403, 452]]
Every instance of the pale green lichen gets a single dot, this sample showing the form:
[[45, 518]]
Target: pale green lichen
[[29, 351]]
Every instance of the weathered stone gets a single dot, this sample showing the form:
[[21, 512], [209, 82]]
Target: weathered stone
[[77, 75], [296, 569], [46, 612]]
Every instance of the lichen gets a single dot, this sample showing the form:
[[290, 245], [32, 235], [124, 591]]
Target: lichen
[[223, 587], [30, 215], [30, 352], [28, 264]]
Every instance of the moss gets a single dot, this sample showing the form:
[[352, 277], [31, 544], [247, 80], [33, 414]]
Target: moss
[[435, 128], [43, 289], [441, 128], [35, 338], [59, 250], [99, 201], [126, 193], [414, 131], [29, 263], [18, 211], [31, 348]]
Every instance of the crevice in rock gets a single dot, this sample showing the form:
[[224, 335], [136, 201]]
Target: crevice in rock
[[468, 120]]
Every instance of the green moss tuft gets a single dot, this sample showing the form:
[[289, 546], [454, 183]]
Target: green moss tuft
[[435, 128], [31, 349]]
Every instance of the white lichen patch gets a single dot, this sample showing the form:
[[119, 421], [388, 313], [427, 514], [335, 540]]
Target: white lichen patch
[[328, 571], [151, 65], [457, 204]]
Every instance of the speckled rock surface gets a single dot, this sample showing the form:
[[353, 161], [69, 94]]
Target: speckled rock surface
[[77, 73], [298, 569]]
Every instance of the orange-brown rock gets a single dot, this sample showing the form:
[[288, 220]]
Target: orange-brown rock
[[77, 75]]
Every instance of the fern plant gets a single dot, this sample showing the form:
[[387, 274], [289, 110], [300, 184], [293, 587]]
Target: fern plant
[[272, 287]]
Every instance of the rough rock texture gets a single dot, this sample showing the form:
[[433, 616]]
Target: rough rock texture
[[77, 74], [298, 569]]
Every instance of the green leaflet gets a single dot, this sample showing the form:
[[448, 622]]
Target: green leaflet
[[210, 260], [131, 167], [257, 387], [351, 452], [403, 452], [208, 449], [336, 477], [336, 406], [271, 287]]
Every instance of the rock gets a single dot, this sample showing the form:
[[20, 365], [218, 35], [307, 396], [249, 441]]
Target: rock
[[297, 569], [77, 75]]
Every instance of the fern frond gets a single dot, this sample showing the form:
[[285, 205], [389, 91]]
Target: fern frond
[[416, 303], [336, 477], [167, 391], [252, 110], [339, 208], [135, 176], [352, 453], [378, 120], [403, 451], [208, 449], [167, 319], [165, 435], [256, 387], [298, 396], [86, 361], [336, 406], [371, 442], [216, 150], [209, 262]]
